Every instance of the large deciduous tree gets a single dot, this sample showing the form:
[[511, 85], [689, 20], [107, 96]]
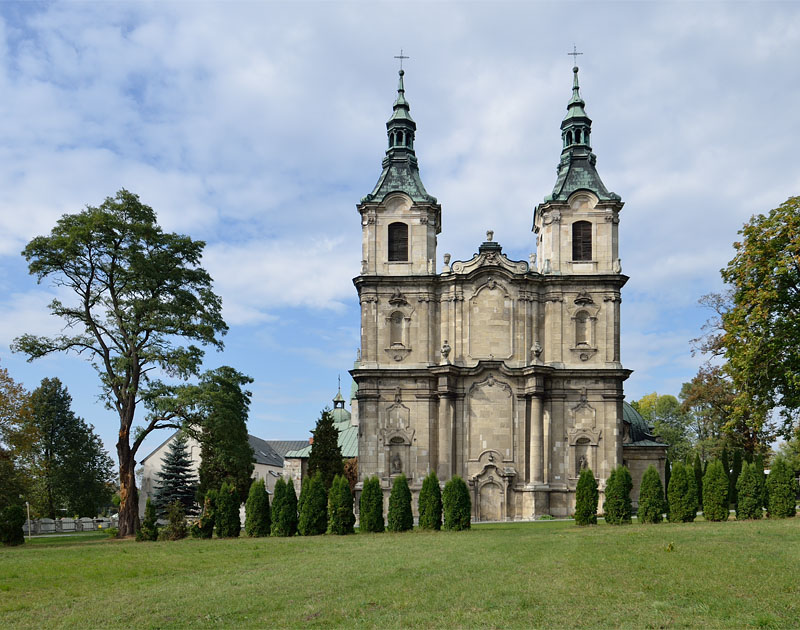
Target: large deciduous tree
[[139, 293]]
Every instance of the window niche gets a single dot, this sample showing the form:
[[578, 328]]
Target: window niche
[[582, 241], [398, 242]]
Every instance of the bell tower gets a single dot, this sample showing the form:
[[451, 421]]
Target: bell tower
[[399, 219], [578, 223]]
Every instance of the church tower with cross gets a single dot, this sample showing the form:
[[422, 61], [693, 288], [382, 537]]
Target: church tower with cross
[[504, 372]]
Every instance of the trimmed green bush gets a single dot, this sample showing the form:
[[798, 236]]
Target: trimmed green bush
[[370, 506], [289, 518], [699, 472], [781, 490], [750, 493], [12, 520], [400, 518], [715, 493], [681, 494], [430, 503], [340, 507], [229, 523], [303, 493], [617, 506], [736, 470], [257, 520], [278, 501], [148, 530], [176, 522], [456, 505], [314, 517], [651, 497], [586, 498]]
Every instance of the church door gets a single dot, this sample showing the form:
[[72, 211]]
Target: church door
[[491, 502]]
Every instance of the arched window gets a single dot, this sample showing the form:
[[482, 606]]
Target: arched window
[[398, 242], [396, 328], [581, 240], [569, 138], [581, 328], [577, 136]]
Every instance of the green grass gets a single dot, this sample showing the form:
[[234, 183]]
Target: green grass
[[717, 575]]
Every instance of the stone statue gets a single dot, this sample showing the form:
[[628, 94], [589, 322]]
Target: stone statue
[[489, 235], [582, 464], [446, 351], [397, 464], [532, 258], [536, 350]]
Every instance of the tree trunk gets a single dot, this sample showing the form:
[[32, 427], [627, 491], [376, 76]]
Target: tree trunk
[[128, 495]]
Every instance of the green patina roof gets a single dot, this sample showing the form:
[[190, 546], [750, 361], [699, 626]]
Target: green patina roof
[[641, 434], [400, 167], [576, 169], [348, 441]]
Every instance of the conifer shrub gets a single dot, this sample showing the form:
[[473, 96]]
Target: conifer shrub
[[618, 507], [278, 501], [303, 493], [715, 493], [257, 521], [750, 493], [400, 517], [289, 516], [340, 507], [148, 530], [12, 520], [667, 476], [586, 498], [203, 527], [736, 470], [699, 472], [430, 503], [651, 497], [176, 522], [456, 505], [781, 490], [693, 491], [370, 506], [314, 517], [228, 521], [681, 495]]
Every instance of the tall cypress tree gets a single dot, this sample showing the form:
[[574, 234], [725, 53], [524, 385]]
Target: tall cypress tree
[[736, 470], [228, 520], [750, 492], [430, 503], [176, 481], [370, 506], [715, 499], [781, 490], [698, 478], [618, 506], [326, 456], [400, 518], [314, 517], [257, 520], [651, 497], [456, 505], [278, 501], [681, 494], [340, 507], [586, 498], [289, 511]]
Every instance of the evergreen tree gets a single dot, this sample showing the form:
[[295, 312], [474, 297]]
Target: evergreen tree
[[618, 508], [176, 481], [289, 517], [314, 518], [176, 522], [651, 497], [456, 505], [257, 520], [12, 520], [326, 456], [781, 490], [692, 496], [586, 498], [370, 507], [430, 503], [736, 470], [278, 501], [750, 492], [228, 520], [149, 527], [667, 476], [681, 496], [698, 478], [724, 458], [303, 493], [759, 461], [340, 507], [715, 497], [204, 526], [400, 518]]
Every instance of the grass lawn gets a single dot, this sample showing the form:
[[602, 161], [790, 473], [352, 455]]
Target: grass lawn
[[546, 574]]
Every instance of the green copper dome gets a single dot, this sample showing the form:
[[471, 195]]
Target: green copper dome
[[641, 434]]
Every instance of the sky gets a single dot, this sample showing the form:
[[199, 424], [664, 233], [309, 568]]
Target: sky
[[258, 126]]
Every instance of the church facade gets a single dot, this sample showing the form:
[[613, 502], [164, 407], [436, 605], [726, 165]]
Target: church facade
[[504, 372]]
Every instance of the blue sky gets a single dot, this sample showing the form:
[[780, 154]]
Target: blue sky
[[258, 126]]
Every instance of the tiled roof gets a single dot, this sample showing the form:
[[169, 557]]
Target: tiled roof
[[281, 447], [263, 453]]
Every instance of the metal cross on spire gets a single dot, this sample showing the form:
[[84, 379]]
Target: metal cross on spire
[[574, 54], [401, 56]]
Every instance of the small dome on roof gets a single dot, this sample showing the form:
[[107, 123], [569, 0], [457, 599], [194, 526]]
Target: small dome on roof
[[639, 428]]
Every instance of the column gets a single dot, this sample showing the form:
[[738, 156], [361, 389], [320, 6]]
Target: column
[[445, 463], [537, 441]]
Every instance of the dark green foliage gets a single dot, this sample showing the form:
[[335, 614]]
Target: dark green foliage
[[750, 492], [204, 526], [257, 521], [176, 481], [314, 518], [715, 497], [370, 506], [726, 464], [278, 501], [759, 461], [326, 456], [699, 472], [12, 520], [303, 493], [289, 517], [149, 527], [340, 507], [651, 497], [11, 482], [617, 506], [681, 495], [456, 505], [176, 523], [586, 498], [736, 470], [430, 503], [692, 483], [228, 521], [400, 518], [781, 490], [221, 428], [667, 476]]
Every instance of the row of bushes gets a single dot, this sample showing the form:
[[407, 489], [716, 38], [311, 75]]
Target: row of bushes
[[754, 491]]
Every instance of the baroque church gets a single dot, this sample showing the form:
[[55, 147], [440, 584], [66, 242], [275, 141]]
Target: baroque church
[[504, 372]]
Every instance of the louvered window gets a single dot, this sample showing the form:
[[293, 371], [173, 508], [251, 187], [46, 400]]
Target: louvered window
[[398, 242], [581, 240]]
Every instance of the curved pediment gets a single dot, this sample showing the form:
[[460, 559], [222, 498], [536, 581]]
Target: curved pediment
[[489, 259]]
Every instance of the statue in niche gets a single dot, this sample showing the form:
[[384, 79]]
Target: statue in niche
[[446, 351], [582, 464], [397, 464]]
